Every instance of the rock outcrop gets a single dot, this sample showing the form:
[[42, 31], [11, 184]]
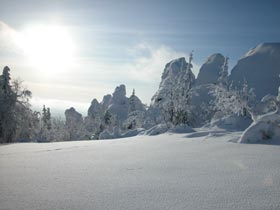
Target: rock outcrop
[[210, 70], [260, 67]]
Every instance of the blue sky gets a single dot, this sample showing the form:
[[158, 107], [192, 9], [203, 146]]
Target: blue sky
[[130, 41]]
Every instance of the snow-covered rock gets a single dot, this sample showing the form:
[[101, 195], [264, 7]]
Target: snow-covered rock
[[173, 76], [119, 104], [75, 126], [201, 98], [95, 110], [135, 104], [95, 116], [72, 116], [210, 70], [260, 67], [177, 78], [265, 130], [106, 101]]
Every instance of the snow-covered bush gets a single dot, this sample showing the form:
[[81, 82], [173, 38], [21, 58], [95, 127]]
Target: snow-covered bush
[[264, 130], [231, 122]]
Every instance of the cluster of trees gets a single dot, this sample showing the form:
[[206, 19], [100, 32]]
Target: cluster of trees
[[17, 120], [230, 100]]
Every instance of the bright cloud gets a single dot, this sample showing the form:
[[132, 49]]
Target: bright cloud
[[8, 40], [88, 77], [149, 61]]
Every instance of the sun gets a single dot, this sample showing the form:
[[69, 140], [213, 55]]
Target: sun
[[48, 47]]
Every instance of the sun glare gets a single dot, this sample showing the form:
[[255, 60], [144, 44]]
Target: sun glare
[[48, 47]]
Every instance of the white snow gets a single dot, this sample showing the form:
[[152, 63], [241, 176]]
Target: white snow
[[265, 130], [201, 170], [260, 67], [210, 70]]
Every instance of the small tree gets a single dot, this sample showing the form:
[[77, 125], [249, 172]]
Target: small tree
[[223, 78], [233, 100], [179, 110], [48, 116]]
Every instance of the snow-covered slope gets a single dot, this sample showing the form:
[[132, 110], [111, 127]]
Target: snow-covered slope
[[201, 171], [210, 70], [261, 68]]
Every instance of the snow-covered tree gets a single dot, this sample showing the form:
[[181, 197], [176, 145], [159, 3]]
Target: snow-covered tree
[[223, 78], [15, 112], [46, 118], [265, 128], [177, 109], [131, 122], [233, 101]]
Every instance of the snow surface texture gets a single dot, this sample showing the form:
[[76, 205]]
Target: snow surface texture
[[181, 171], [260, 67]]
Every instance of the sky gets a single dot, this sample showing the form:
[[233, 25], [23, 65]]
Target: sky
[[68, 52]]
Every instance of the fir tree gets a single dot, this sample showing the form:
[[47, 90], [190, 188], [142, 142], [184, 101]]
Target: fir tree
[[14, 108], [48, 116]]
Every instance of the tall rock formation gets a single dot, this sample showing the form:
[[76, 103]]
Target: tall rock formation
[[210, 70], [177, 79], [74, 125], [260, 67], [119, 104], [174, 76]]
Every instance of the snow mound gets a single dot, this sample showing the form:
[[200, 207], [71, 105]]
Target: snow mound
[[210, 70], [163, 128], [156, 130], [115, 134], [231, 123], [134, 132], [183, 128], [265, 130]]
